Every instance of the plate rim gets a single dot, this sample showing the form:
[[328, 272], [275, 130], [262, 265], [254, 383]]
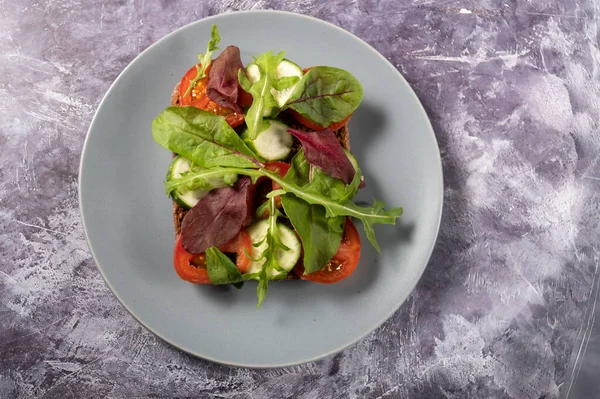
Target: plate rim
[[438, 171]]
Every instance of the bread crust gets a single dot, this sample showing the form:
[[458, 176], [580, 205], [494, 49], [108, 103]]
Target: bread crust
[[179, 212]]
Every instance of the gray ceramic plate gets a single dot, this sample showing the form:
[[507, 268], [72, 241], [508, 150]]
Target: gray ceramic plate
[[129, 227]]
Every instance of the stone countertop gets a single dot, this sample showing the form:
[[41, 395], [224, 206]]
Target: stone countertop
[[513, 92]]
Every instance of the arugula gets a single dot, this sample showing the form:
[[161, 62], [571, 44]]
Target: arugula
[[221, 270], [260, 90], [198, 178], [209, 141], [270, 268], [369, 216], [202, 137], [205, 59], [326, 95]]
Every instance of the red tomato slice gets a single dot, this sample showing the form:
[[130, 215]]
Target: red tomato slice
[[241, 244], [343, 263], [281, 168], [192, 267], [197, 97]]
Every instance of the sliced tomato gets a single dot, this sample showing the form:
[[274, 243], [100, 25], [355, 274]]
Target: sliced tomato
[[197, 97], [246, 99], [343, 263], [241, 245], [192, 267]]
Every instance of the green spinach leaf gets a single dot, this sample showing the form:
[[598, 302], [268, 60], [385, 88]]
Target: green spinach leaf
[[326, 95], [202, 137], [221, 269], [261, 91], [321, 236]]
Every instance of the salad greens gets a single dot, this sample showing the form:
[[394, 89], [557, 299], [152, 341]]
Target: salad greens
[[221, 270], [326, 95], [222, 86], [260, 90], [316, 193], [323, 149], [198, 178], [320, 236], [218, 217], [269, 255], [206, 59], [202, 137], [207, 138]]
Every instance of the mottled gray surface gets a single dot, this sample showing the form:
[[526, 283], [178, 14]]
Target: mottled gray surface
[[513, 91]]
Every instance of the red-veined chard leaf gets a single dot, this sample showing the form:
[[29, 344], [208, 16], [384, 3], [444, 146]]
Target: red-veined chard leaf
[[326, 95], [223, 87], [218, 217], [323, 149]]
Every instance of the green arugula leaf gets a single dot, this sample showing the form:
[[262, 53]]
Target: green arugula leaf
[[202, 137], [326, 95], [369, 216], [260, 91], [261, 290], [201, 179], [221, 269], [271, 247], [205, 59]]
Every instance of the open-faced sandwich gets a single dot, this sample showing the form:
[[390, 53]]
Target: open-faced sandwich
[[262, 179]]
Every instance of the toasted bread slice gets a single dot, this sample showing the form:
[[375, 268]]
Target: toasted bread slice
[[179, 212]]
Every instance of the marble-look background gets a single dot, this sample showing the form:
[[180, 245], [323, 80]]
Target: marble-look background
[[513, 92]]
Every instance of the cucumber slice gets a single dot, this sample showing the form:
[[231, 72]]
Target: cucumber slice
[[189, 198], [286, 68], [272, 144], [287, 259]]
